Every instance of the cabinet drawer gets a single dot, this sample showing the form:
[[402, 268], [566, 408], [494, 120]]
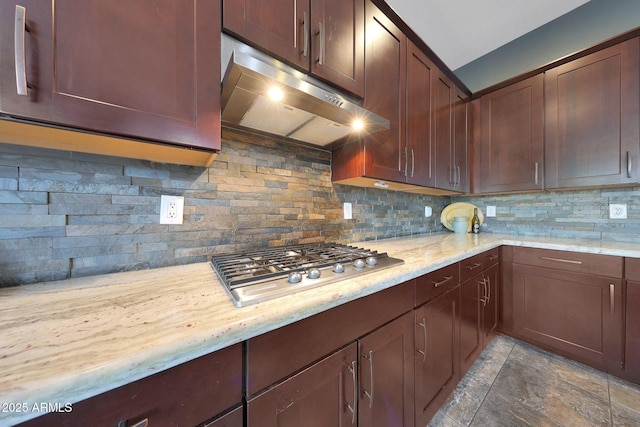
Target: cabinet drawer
[[490, 257], [187, 394], [278, 354], [436, 283], [632, 269], [601, 265], [471, 266]]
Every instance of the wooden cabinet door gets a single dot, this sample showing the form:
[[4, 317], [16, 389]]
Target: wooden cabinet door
[[420, 157], [490, 306], [337, 43], [460, 143], [281, 27], [592, 127], [144, 69], [578, 315], [510, 150], [443, 93], [386, 375], [471, 331], [324, 394], [632, 349], [385, 84], [437, 355], [185, 395]]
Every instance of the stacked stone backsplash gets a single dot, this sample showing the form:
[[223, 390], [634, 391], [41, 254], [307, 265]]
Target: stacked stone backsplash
[[582, 214], [68, 214]]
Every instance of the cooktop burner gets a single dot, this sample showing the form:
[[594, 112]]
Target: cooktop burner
[[254, 276]]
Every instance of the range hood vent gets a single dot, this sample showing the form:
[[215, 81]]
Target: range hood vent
[[307, 112]]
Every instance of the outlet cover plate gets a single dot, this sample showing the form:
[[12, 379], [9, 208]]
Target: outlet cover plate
[[171, 209], [348, 210], [491, 211], [617, 211]]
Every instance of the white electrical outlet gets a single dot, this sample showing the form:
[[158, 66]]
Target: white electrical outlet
[[348, 210], [491, 211], [428, 211], [617, 211], [171, 209]]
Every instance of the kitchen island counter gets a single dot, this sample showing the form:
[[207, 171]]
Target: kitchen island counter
[[65, 341]]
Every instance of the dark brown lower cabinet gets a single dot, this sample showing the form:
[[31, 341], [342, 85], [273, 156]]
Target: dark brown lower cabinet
[[632, 341], [478, 312], [186, 395], [367, 383], [436, 352], [574, 314], [386, 375], [324, 394]]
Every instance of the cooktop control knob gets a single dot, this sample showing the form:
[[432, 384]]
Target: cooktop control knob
[[359, 263], [295, 277], [371, 261], [338, 268], [313, 273]]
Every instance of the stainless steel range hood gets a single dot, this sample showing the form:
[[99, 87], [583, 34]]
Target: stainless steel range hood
[[309, 111]]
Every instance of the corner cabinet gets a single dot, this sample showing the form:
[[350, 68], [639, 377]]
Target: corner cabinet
[[324, 37], [147, 70], [592, 105], [508, 149], [570, 303]]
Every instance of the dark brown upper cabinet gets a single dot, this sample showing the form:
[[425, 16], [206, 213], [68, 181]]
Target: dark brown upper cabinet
[[450, 135], [592, 130], [382, 154], [147, 69], [324, 37], [420, 152], [508, 143]]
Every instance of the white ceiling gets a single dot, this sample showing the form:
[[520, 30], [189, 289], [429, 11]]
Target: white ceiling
[[460, 31]]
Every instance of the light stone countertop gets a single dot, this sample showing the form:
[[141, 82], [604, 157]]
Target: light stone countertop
[[65, 341]]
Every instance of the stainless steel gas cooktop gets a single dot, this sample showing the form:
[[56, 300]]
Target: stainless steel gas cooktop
[[255, 276]]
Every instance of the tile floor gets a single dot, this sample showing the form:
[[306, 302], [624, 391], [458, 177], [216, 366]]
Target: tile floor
[[516, 384]]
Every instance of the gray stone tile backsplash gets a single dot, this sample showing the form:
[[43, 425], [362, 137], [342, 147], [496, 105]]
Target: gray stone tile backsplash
[[68, 214]]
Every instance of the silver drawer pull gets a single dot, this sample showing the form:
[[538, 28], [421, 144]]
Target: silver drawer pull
[[369, 357], [568, 261], [612, 298], [472, 266], [442, 282], [143, 423]]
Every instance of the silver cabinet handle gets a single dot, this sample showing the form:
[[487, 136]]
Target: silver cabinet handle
[[492, 257], [488, 290], [413, 163], [629, 166], [406, 162], [305, 35], [369, 357], [19, 50], [458, 177], [536, 173], [472, 266], [612, 298], [424, 328], [321, 36], [143, 423], [352, 369], [566, 261], [483, 298], [442, 282]]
